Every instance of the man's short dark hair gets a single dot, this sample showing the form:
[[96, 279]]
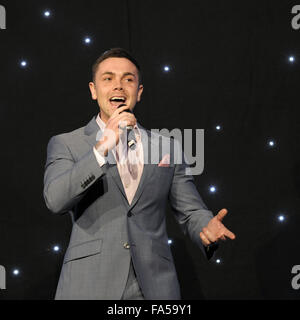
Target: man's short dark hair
[[116, 53]]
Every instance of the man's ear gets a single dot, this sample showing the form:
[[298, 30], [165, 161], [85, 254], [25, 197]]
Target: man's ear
[[141, 88], [93, 90]]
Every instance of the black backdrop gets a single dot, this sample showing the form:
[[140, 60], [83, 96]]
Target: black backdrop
[[229, 65]]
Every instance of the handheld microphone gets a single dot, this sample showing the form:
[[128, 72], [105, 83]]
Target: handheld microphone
[[131, 140]]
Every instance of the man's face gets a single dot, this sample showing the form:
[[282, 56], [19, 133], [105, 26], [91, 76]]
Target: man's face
[[115, 78]]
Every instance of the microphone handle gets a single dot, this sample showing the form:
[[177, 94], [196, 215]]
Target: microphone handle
[[131, 141], [122, 105]]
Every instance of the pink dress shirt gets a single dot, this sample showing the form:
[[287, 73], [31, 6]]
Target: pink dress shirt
[[130, 165]]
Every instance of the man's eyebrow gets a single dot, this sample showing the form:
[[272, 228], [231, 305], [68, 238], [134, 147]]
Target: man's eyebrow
[[107, 72], [129, 74], [124, 74]]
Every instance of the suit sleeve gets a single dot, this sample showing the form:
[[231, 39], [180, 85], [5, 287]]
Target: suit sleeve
[[189, 209], [65, 180]]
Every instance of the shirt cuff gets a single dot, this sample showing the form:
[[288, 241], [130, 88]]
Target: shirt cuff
[[99, 158]]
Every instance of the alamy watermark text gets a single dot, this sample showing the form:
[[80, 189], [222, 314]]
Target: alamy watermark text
[[2, 17]]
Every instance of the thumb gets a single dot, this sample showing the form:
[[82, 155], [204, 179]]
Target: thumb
[[221, 214]]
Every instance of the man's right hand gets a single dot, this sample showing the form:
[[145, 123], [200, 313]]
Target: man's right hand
[[114, 127]]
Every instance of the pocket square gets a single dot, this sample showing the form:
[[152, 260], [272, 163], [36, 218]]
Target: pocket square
[[165, 161]]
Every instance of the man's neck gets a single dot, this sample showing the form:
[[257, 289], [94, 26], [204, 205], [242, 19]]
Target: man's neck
[[103, 117]]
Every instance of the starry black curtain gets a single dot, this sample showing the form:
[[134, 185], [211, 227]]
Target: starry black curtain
[[229, 65]]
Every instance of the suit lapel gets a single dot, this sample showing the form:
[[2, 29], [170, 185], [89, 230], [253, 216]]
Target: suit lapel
[[114, 172], [148, 168]]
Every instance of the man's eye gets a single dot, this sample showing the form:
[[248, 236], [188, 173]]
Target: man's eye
[[107, 78], [129, 79]]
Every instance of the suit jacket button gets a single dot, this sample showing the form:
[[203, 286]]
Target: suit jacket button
[[126, 245], [129, 214]]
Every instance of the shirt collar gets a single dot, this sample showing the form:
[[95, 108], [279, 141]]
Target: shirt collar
[[100, 122]]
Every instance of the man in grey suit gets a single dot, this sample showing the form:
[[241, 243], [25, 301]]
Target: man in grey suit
[[119, 245]]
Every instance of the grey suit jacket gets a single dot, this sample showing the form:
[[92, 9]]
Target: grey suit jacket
[[108, 231]]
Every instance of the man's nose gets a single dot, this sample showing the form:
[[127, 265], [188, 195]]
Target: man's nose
[[118, 85]]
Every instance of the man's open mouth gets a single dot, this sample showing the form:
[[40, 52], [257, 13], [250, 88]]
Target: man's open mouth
[[117, 101]]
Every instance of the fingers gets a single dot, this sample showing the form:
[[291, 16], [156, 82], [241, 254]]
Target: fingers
[[207, 236], [121, 118], [229, 234], [221, 214], [121, 121], [119, 111], [125, 121], [205, 241], [223, 238]]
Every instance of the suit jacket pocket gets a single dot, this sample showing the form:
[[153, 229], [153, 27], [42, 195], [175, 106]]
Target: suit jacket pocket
[[82, 250]]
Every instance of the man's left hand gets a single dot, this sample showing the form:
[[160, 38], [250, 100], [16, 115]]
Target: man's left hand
[[215, 230]]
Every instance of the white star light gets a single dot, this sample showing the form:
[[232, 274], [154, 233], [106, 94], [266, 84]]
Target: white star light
[[47, 13], [291, 59], [170, 241], [87, 40], [218, 128], [212, 189], [218, 261], [281, 218], [167, 68], [271, 143], [16, 272], [23, 64], [56, 248]]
